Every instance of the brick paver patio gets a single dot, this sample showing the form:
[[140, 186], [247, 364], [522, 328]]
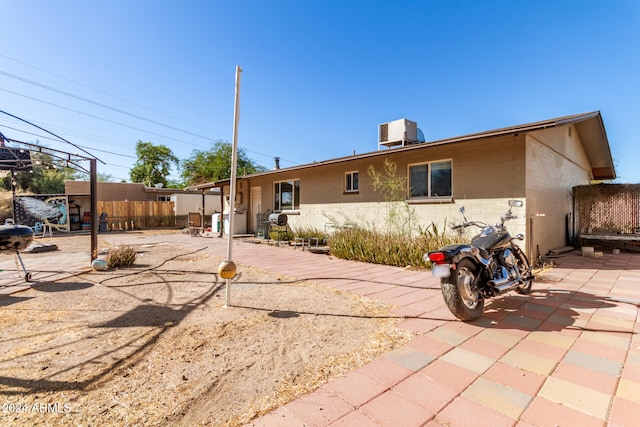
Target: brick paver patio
[[567, 355]]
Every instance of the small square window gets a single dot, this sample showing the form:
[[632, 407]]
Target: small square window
[[351, 182]]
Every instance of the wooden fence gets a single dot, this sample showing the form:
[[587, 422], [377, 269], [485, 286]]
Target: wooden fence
[[139, 215]]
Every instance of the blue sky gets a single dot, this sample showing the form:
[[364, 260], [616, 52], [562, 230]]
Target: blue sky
[[318, 76]]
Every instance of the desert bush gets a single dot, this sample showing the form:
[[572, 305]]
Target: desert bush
[[121, 256]]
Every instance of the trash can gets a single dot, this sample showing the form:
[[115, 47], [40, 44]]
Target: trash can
[[102, 223]]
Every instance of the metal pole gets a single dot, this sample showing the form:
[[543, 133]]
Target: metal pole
[[13, 196], [93, 197], [202, 223], [234, 164]]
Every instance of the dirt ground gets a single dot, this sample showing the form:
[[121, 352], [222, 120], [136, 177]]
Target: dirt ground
[[153, 344]]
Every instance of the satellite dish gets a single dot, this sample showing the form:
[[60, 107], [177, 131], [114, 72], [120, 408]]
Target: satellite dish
[[420, 136]]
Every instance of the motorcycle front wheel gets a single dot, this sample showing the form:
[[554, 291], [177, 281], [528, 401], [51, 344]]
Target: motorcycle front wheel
[[525, 270], [461, 294]]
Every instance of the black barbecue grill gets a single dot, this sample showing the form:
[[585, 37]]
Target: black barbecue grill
[[278, 219], [278, 225]]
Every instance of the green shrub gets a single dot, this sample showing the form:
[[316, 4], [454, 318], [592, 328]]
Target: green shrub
[[121, 256]]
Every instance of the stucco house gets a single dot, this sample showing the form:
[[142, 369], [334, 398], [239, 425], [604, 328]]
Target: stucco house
[[538, 163]]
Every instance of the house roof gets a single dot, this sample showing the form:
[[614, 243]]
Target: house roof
[[590, 127]]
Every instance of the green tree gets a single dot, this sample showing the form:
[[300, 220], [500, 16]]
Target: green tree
[[153, 164], [51, 181], [46, 176], [104, 177], [215, 164]]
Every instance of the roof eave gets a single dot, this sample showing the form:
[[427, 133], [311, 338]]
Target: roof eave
[[596, 144], [604, 170]]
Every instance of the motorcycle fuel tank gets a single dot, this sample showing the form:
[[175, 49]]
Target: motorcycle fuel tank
[[492, 240]]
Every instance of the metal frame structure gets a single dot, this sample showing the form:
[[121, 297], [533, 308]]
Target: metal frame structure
[[21, 157]]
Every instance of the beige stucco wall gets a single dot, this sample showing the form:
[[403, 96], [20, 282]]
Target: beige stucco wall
[[186, 203], [375, 214], [487, 168], [485, 175], [540, 168], [556, 162]]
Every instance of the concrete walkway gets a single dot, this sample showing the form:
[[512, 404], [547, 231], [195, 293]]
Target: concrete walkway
[[567, 355]]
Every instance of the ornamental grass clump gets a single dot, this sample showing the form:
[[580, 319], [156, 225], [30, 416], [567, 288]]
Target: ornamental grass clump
[[121, 256], [397, 249]]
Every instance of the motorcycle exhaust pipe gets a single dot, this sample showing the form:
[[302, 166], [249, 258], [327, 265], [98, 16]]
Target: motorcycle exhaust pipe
[[504, 284], [505, 287]]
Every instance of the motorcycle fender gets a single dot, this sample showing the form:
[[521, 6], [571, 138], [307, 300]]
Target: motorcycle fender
[[453, 251], [459, 252]]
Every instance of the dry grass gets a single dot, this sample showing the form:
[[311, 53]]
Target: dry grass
[[121, 256], [153, 345]]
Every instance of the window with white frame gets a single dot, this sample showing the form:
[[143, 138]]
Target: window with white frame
[[351, 182], [286, 195], [163, 198], [430, 180]]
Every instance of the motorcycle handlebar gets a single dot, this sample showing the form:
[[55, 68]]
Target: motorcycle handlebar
[[467, 224]]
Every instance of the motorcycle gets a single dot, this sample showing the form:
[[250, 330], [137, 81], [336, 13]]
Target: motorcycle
[[492, 264]]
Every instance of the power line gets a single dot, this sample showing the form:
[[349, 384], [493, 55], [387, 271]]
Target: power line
[[112, 108], [95, 117], [103, 139], [82, 146], [107, 93], [22, 79], [52, 139], [51, 133]]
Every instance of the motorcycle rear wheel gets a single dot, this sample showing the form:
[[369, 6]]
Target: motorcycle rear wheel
[[461, 294]]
